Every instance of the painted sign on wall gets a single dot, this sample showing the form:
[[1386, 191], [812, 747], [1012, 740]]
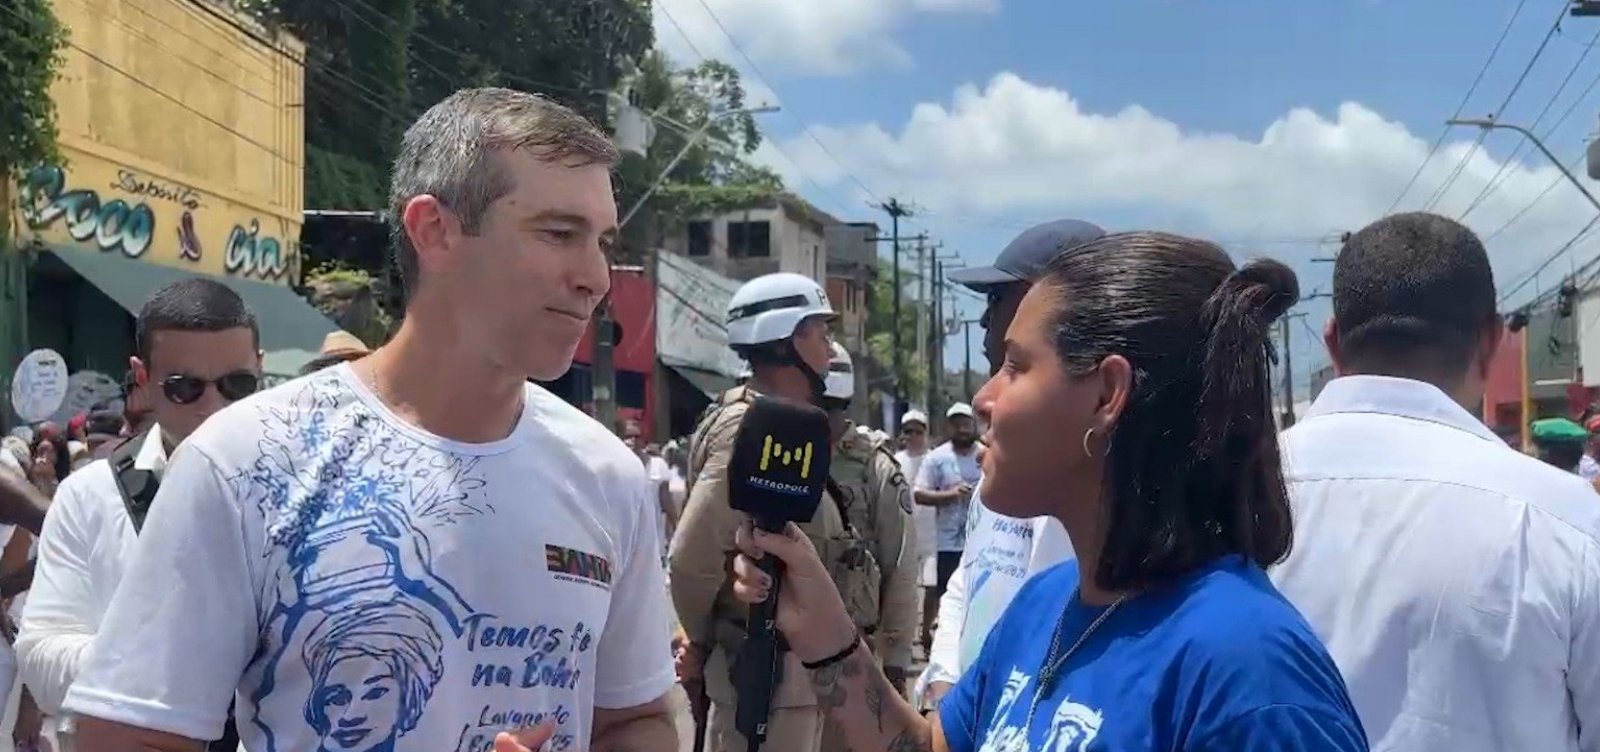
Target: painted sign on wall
[[117, 209]]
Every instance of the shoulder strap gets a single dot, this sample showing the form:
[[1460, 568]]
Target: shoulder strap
[[138, 487], [839, 502]]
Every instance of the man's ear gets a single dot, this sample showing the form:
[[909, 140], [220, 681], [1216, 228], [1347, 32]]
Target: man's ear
[[1330, 340], [141, 372]]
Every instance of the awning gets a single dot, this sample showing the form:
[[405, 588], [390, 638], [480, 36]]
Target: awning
[[291, 330], [710, 383]]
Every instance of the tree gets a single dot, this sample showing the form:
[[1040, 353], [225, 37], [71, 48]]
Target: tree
[[714, 175], [373, 65], [881, 322], [30, 52]]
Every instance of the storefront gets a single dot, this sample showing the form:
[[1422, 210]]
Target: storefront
[[101, 237], [182, 140]]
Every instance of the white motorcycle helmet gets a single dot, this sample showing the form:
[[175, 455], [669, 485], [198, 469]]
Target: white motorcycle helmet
[[841, 378], [770, 307], [765, 312]]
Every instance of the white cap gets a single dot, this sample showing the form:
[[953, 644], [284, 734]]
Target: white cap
[[841, 378], [914, 416], [960, 408]]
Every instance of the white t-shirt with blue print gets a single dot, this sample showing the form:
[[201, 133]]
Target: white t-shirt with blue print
[[364, 585], [943, 468]]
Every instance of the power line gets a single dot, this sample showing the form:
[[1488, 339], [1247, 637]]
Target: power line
[[1558, 180], [806, 128], [1551, 259], [1476, 81], [1503, 173], [841, 205], [164, 95], [1477, 144]]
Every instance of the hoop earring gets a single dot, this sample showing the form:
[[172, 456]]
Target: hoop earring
[[1086, 435]]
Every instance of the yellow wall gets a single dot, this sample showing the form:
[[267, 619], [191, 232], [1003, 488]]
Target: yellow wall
[[184, 140]]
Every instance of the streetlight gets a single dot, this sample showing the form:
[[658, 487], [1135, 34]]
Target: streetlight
[[694, 138], [605, 374], [1490, 124]]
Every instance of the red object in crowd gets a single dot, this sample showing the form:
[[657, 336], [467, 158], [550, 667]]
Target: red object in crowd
[[633, 308]]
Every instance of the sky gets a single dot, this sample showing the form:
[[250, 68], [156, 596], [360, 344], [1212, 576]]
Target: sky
[[1266, 129]]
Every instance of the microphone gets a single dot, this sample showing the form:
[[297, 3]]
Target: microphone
[[776, 475]]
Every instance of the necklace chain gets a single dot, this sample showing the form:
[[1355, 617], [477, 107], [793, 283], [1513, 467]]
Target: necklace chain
[[1053, 662]]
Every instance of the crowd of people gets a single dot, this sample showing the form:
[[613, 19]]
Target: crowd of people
[[416, 548]]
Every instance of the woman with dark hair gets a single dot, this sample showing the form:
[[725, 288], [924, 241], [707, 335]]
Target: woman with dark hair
[[52, 460], [1135, 407]]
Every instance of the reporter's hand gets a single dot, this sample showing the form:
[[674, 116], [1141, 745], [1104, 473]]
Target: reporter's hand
[[811, 614], [531, 739]]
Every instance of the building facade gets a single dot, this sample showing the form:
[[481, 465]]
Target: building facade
[[182, 137], [785, 234]]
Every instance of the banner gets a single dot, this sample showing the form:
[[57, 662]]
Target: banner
[[691, 309]]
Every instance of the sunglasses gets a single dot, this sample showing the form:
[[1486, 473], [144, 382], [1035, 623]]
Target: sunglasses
[[184, 390]]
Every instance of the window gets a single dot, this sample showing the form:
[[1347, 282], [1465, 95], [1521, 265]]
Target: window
[[749, 239], [700, 238]]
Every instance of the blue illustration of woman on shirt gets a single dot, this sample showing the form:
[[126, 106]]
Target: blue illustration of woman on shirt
[[346, 500], [373, 668]]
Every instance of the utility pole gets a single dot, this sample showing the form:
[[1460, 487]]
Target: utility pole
[[1288, 372], [966, 372], [603, 376], [896, 210], [936, 330], [936, 367], [924, 287]]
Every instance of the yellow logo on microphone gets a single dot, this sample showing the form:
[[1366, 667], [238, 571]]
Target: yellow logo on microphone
[[771, 450]]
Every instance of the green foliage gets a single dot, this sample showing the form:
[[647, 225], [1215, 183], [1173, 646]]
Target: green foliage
[[339, 181], [371, 322], [881, 323], [713, 177], [373, 65], [30, 52]]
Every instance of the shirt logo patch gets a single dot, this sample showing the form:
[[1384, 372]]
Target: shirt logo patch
[[578, 566]]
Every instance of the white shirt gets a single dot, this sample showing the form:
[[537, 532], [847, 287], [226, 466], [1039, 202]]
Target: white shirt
[[1455, 581], [924, 519], [943, 468], [1002, 553], [8, 658], [364, 584], [84, 548]]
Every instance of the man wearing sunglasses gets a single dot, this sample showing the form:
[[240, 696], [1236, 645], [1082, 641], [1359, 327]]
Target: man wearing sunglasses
[[197, 351]]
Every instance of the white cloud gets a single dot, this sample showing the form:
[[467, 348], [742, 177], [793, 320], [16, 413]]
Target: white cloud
[[832, 37], [1015, 148]]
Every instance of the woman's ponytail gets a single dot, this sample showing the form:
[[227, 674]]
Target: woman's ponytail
[[1238, 352]]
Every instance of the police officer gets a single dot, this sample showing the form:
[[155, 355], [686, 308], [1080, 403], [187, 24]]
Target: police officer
[[876, 497], [779, 324], [867, 481]]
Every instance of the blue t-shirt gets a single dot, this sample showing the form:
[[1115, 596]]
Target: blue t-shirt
[[1218, 662]]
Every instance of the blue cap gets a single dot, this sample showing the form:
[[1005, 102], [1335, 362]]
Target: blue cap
[[1027, 256]]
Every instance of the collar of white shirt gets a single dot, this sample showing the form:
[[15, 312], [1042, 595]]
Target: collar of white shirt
[[152, 454], [1393, 396]]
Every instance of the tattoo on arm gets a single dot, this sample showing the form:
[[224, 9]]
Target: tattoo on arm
[[911, 741], [873, 716], [875, 703], [829, 682]]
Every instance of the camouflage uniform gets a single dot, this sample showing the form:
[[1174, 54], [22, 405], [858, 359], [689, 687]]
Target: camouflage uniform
[[877, 502], [699, 562]]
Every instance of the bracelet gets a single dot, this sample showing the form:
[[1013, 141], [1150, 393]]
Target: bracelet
[[855, 642]]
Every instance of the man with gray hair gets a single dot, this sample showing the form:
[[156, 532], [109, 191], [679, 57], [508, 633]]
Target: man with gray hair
[[418, 550]]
